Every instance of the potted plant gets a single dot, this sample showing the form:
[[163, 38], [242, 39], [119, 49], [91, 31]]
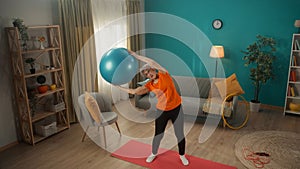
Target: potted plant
[[259, 56], [31, 61], [19, 23]]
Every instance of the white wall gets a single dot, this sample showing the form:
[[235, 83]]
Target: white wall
[[33, 12]]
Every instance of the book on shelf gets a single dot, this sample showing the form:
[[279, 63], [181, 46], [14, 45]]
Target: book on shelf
[[293, 75], [297, 46], [295, 61], [289, 91], [293, 91]]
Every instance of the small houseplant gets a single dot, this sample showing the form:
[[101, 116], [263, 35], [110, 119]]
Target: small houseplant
[[19, 23], [31, 61], [259, 56]]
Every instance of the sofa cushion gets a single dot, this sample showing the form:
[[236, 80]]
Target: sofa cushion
[[192, 105], [204, 87], [214, 92], [192, 87], [146, 102]]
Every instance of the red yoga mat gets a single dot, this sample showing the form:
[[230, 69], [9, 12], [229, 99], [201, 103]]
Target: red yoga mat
[[137, 152]]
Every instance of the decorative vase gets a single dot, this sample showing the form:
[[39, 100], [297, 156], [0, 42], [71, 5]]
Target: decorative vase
[[42, 45], [53, 86], [43, 89], [32, 71], [254, 107]]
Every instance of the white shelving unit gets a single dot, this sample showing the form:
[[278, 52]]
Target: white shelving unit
[[293, 83]]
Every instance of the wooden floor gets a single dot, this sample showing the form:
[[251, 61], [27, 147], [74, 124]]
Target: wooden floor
[[65, 150]]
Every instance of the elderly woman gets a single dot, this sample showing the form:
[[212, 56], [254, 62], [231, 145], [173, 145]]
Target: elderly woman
[[168, 104]]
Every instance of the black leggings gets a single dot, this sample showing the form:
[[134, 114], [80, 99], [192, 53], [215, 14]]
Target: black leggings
[[161, 121]]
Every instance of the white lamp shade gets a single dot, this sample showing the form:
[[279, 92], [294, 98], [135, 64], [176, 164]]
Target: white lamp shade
[[217, 52], [297, 23]]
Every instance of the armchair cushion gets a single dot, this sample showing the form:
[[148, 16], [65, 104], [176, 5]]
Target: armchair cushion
[[93, 107], [109, 117]]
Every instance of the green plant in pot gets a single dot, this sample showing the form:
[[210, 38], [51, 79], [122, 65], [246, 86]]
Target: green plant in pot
[[31, 62], [259, 56], [19, 23]]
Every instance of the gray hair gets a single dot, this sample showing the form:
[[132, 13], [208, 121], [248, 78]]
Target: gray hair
[[145, 67]]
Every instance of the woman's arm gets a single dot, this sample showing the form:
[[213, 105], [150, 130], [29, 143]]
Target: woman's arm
[[139, 90], [150, 61]]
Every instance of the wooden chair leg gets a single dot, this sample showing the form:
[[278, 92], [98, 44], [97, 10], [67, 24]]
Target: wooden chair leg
[[118, 127], [83, 137], [104, 136]]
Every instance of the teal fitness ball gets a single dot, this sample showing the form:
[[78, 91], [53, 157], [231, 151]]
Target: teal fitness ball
[[117, 66]]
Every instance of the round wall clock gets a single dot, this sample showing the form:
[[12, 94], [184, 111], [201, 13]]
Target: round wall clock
[[217, 24], [41, 79]]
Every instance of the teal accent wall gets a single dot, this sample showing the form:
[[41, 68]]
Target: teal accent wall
[[242, 21]]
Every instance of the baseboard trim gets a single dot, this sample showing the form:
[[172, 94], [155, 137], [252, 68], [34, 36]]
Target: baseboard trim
[[271, 107], [8, 146]]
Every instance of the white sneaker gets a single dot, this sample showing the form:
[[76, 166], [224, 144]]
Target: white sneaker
[[184, 160], [150, 158]]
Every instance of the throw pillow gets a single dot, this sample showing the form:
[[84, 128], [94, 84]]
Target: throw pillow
[[229, 86], [92, 106]]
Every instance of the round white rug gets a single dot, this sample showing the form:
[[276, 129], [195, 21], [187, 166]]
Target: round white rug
[[283, 148]]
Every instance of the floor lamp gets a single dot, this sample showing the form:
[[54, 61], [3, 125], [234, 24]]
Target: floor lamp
[[216, 52]]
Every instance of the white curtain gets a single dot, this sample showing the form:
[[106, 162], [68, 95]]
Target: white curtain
[[110, 31]]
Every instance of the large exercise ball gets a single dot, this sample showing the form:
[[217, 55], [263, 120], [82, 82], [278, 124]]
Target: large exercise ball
[[117, 66]]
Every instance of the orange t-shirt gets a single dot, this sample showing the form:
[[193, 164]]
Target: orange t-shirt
[[165, 91]]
